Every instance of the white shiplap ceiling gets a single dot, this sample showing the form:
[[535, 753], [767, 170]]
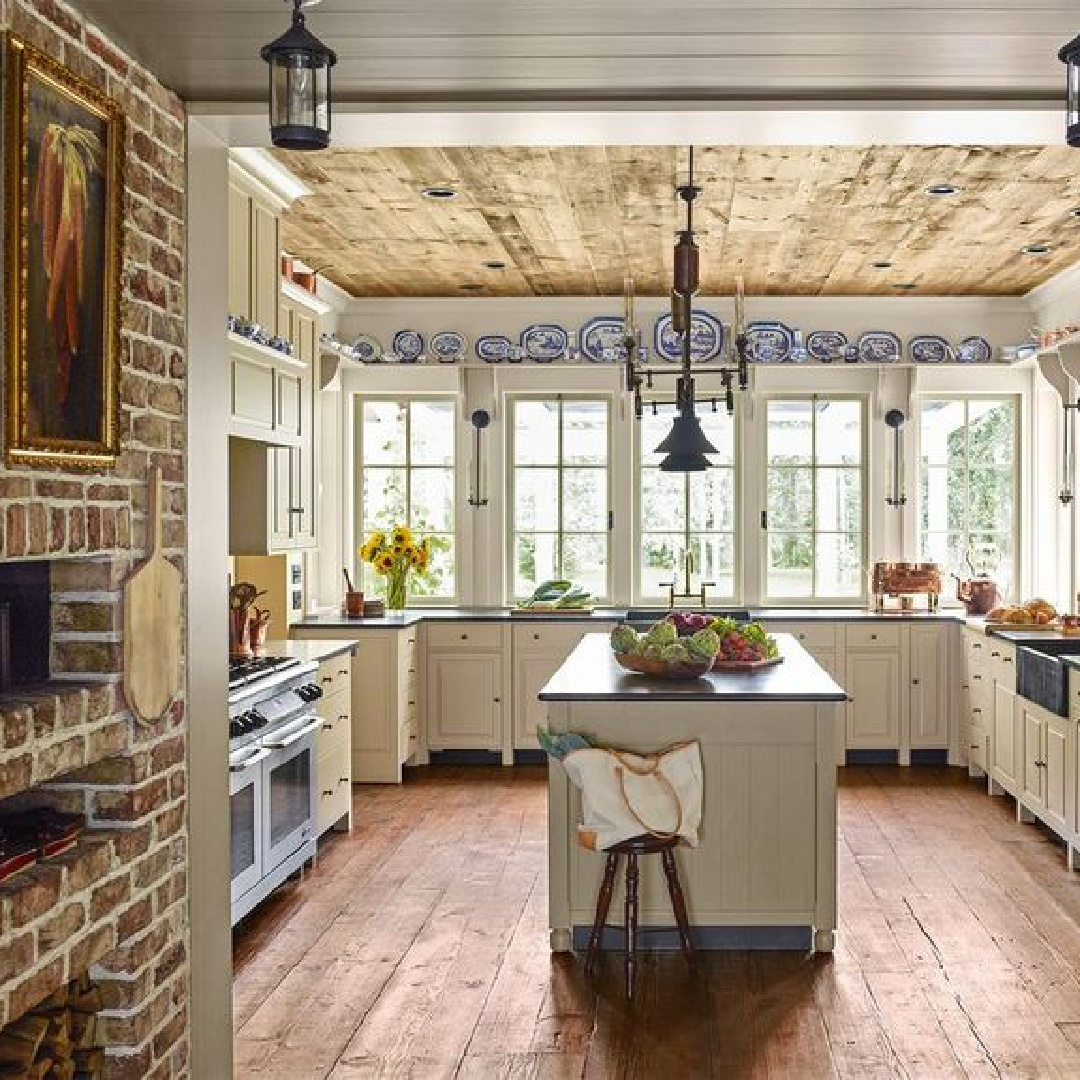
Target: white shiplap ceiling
[[477, 50]]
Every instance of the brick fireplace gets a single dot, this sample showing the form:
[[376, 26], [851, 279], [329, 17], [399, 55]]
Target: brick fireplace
[[116, 905]]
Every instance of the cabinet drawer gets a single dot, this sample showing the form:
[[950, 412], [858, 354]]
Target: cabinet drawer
[[812, 636], [464, 635], [1003, 663], [333, 793], [334, 674], [553, 637], [408, 740], [873, 636], [1074, 694], [334, 735]]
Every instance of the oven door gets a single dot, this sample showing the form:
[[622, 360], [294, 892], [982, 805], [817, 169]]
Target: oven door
[[246, 817], [289, 790]]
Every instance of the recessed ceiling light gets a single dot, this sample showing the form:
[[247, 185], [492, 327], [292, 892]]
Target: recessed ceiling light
[[1075, 211], [882, 264], [1035, 249], [905, 285], [942, 189], [470, 286], [494, 264], [439, 191]]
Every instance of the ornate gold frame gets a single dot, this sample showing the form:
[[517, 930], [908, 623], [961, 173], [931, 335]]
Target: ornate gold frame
[[24, 65]]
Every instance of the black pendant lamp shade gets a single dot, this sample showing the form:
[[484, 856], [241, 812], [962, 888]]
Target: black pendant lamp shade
[[299, 87], [1070, 57], [686, 446]]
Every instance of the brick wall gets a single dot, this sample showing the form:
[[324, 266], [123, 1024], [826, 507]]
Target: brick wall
[[118, 902]]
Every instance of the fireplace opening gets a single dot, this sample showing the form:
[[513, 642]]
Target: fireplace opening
[[25, 620]]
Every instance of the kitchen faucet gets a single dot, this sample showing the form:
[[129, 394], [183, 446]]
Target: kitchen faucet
[[686, 593]]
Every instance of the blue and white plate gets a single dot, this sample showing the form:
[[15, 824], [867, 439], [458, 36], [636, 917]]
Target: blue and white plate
[[769, 342], [367, 349], [544, 342], [826, 345], [493, 348], [706, 338], [928, 349], [601, 339], [408, 346], [974, 350], [879, 347], [448, 346]]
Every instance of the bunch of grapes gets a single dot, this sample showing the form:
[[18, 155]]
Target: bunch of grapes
[[688, 622], [748, 641]]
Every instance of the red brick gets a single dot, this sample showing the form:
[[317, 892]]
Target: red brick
[[170, 963], [57, 929], [14, 726], [62, 757], [134, 919], [131, 843], [16, 530], [76, 528], [169, 1034], [107, 53], [87, 575], [131, 805], [31, 894], [92, 860], [88, 657], [151, 869], [17, 957], [169, 822], [106, 898], [108, 740], [15, 775], [57, 529], [66, 490], [16, 487], [37, 529], [126, 993], [134, 1066], [36, 987], [91, 947], [169, 753]]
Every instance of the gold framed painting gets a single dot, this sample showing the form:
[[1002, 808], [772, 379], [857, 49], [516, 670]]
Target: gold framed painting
[[63, 192]]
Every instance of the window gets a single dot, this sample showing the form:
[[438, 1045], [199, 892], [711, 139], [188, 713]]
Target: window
[[968, 488], [405, 453], [683, 514], [559, 474], [815, 524]]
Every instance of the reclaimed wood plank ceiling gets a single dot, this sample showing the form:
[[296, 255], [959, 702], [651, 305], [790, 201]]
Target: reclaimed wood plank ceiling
[[793, 221]]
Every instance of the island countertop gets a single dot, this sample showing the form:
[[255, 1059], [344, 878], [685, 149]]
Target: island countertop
[[590, 673]]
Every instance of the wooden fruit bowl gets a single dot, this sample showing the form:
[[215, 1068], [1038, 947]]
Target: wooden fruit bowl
[[663, 669], [746, 665]]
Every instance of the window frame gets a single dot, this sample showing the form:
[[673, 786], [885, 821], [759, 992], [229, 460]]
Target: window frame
[[511, 467], [738, 524], [359, 530], [1017, 399], [814, 598]]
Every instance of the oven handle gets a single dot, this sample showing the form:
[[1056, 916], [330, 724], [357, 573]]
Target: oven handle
[[255, 758], [296, 736]]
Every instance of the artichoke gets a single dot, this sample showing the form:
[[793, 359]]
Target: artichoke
[[653, 652], [675, 654], [624, 640], [663, 633], [703, 645]]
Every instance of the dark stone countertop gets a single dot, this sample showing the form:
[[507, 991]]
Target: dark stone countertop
[[590, 673]]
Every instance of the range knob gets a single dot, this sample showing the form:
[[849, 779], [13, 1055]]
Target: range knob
[[255, 719], [237, 728], [310, 691]]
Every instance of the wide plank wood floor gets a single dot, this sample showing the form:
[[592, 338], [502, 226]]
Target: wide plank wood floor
[[418, 949]]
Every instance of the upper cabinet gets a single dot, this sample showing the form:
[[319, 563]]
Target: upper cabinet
[[254, 252]]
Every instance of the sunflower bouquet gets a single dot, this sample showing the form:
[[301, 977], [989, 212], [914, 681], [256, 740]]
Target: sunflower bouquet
[[394, 555]]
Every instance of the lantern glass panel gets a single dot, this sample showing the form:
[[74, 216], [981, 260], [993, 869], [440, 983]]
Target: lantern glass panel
[[1074, 90]]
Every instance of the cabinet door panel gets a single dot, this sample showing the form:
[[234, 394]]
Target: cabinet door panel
[[1034, 729], [239, 253], [873, 714], [1005, 750], [280, 496], [929, 704], [531, 672], [265, 268], [1055, 781], [253, 387], [464, 701]]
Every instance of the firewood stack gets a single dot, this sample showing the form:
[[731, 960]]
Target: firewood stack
[[57, 1040]]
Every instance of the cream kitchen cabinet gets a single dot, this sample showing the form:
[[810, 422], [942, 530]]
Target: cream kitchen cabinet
[[875, 673], [539, 648], [385, 700], [977, 700], [467, 686], [254, 251], [1048, 774], [333, 745], [929, 654], [1006, 739]]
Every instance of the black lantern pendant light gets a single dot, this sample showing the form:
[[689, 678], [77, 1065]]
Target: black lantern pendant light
[[686, 444], [299, 86], [1070, 57]]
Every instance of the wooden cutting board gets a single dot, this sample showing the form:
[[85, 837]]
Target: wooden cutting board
[[152, 623]]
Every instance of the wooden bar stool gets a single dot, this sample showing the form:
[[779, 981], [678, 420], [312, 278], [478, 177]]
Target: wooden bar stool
[[632, 848]]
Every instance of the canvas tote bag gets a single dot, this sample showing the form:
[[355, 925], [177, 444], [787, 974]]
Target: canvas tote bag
[[625, 795]]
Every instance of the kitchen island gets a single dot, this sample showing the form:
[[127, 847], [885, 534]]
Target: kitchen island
[[764, 873]]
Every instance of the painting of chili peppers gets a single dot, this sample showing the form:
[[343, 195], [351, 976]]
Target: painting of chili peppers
[[63, 189]]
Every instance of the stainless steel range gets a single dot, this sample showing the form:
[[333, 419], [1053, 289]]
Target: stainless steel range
[[272, 725]]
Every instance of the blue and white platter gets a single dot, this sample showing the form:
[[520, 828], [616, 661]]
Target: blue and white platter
[[601, 339], [544, 342], [974, 350], [448, 346], [367, 349], [928, 349], [879, 347], [769, 342], [493, 348], [706, 338], [408, 346], [826, 345]]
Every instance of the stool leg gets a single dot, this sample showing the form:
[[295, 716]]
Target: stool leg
[[631, 920], [603, 902], [678, 904]]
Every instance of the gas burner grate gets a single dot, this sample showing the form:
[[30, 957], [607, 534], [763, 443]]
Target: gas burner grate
[[247, 669]]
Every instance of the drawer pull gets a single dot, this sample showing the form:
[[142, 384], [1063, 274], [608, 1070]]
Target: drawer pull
[[536, 637], [496, 700], [873, 637], [344, 780], [328, 678], [994, 652], [464, 637], [345, 717], [327, 794], [976, 644], [914, 682], [328, 726], [412, 702], [344, 671], [1006, 659], [978, 710], [977, 678]]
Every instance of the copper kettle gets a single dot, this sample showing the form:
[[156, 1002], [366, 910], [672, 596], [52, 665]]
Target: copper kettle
[[979, 594]]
